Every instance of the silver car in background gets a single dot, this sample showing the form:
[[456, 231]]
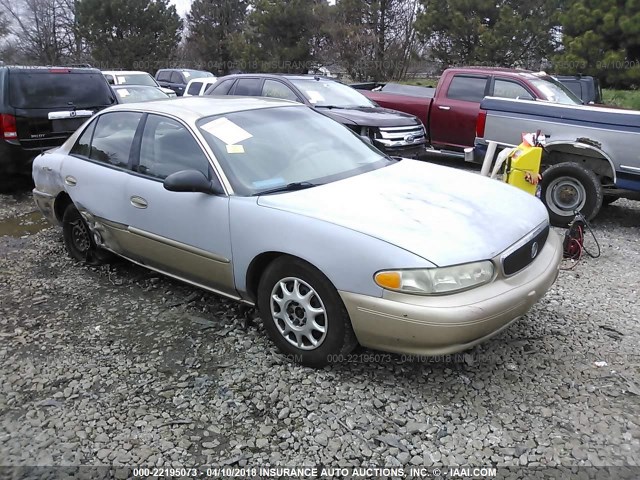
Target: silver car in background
[[275, 205]]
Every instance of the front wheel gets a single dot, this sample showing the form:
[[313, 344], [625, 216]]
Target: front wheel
[[303, 313], [568, 188]]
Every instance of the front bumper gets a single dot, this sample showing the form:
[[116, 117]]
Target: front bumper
[[440, 325], [412, 151]]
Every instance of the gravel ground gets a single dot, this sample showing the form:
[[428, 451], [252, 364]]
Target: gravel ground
[[117, 365]]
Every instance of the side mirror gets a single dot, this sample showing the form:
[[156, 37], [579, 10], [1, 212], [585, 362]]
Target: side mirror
[[192, 181]]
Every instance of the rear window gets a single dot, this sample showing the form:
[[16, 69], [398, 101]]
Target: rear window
[[194, 88], [56, 90]]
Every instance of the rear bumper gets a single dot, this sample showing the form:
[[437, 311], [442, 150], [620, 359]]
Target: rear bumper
[[45, 203], [419, 325], [475, 154], [15, 160]]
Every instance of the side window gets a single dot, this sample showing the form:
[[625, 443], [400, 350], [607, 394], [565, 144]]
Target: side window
[[469, 89], [113, 138], [248, 86], [275, 89], [176, 77], [110, 79], [164, 76], [221, 88], [83, 145], [168, 147], [508, 89], [194, 88]]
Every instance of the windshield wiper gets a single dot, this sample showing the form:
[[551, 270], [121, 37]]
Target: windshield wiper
[[291, 187]]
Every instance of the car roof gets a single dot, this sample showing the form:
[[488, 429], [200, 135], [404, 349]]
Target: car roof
[[50, 67], [124, 72], [194, 108], [182, 70], [288, 76], [213, 79]]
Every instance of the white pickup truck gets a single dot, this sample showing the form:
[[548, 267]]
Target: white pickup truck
[[592, 154]]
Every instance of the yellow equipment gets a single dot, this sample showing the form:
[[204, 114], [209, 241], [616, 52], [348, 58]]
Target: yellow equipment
[[521, 165], [522, 168]]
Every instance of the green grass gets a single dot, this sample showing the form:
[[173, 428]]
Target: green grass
[[622, 98]]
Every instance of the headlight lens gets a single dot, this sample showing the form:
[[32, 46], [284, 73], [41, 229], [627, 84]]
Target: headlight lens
[[436, 281]]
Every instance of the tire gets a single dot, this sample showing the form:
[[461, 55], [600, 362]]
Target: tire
[[569, 187], [78, 239], [313, 344]]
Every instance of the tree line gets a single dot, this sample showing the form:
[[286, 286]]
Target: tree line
[[364, 39]]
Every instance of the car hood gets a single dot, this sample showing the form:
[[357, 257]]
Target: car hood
[[444, 215], [370, 116]]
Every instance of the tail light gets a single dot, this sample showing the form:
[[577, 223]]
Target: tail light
[[8, 126], [481, 123]]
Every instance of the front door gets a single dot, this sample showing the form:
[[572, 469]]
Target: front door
[[181, 233]]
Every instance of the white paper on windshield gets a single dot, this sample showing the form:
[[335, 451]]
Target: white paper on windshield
[[315, 96], [226, 131], [235, 149], [186, 74], [124, 92]]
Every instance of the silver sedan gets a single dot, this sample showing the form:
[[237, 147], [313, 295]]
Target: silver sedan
[[274, 205]]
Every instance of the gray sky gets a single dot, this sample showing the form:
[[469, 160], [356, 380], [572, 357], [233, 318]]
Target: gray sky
[[182, 6]]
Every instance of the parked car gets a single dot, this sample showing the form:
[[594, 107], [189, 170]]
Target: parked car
[[590, 155], [275, 205], [449, 111], [197, 86], [40, 107], [177, 78], [585, 87], [125, 77], [138, 93], [395, 133]]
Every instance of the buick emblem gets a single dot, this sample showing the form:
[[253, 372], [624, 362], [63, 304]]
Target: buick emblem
[[534, 250], [409, 139]]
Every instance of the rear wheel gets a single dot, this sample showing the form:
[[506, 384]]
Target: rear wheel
[[78, 240], [568, 188], [303, 313]]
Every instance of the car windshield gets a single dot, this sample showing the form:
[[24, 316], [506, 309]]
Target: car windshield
[[134, 79], [191, 74], [327, 93], [262, 150], [50, 89], [555, 91], [139, 94]]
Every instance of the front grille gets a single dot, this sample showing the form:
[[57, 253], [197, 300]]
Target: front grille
[[402, 136], [524, 254]]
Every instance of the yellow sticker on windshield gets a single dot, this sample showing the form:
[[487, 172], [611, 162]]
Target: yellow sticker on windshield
[[235, 149]]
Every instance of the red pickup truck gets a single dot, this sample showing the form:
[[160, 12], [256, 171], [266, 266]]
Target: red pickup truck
[[449, 112]]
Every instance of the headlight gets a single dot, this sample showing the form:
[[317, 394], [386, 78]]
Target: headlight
[[436, 281]]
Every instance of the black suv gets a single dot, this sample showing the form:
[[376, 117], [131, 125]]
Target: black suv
[[177, 78], [40, 107], [395, 133]]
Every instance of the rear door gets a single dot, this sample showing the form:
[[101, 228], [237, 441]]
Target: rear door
[[96, 172], [455, 110], [50, 104], [177, 83]]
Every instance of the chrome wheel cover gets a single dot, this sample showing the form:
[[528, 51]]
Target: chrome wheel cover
[[298, 313], [565, 195]]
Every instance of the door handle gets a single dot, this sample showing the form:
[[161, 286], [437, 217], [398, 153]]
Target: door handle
[[47, 169], [139, 202], [441, 107], [71, 181]]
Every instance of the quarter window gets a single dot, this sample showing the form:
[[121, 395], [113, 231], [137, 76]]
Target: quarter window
[[83, 145], [275, 89], [469, 89], [507, 89], [113, 138], [164, 76], [221, 88], [168, 147]]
